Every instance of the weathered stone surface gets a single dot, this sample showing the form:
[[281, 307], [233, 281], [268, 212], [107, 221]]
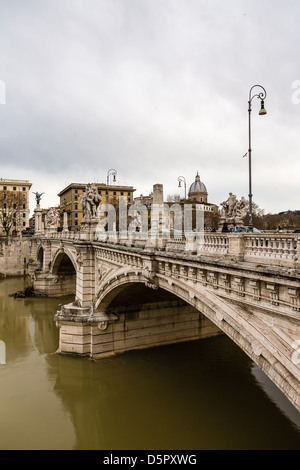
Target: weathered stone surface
[[14, 256]]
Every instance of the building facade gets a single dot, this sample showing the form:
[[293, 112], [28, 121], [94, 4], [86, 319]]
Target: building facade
[[71, 195], [14, 205]]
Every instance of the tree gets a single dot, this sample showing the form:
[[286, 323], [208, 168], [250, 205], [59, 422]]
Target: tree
[[173, 198], [258, 216], [10, 213]]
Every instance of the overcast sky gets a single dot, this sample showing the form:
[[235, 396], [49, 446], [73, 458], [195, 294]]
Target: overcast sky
[[155, 89]]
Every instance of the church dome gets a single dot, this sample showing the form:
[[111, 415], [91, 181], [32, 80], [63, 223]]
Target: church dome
[[197, 186]]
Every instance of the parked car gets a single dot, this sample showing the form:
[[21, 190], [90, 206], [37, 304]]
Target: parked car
[[243, 229], [297, 230]]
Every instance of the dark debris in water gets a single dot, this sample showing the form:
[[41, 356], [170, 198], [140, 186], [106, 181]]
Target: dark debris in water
[[27, 292]]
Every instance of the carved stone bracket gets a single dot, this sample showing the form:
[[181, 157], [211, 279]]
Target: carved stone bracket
[[202, 276], [240, 284], [102, 325], [255, 287], [79, 258], [151, 280], [294, 298], [213, 279], [274, 295], [226, 281]]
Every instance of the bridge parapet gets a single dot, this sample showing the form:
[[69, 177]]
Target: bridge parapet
[[276, 249]]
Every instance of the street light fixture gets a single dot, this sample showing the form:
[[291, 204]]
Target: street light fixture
[[182, 179], [261, 95], [109, 173]]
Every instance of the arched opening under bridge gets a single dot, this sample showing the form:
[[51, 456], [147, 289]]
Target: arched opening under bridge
[[64, 275], [149, 317], [40, 257]]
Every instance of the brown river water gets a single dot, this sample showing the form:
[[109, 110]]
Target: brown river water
[[199, 395]]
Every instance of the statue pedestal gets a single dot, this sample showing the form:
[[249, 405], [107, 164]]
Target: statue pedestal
[[52, 229], [38, 226], [227, 224], [88, 229], [65, 228]]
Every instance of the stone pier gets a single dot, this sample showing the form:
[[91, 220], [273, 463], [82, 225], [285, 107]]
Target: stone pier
[[132, 327]]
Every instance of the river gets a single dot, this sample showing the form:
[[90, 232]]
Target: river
[[197, 395]]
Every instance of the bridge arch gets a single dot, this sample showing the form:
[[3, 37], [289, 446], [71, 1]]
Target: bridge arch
[[257, 339], [64, 273], [40, 256], [63, 263]]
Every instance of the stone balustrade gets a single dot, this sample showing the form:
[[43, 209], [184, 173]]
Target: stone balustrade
[[277, 248], [281, 249]]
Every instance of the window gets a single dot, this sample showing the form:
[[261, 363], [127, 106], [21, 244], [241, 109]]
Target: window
[[14, 206], [24, 215], [24, 224], [23, 189], [76, 191], [122, 193], [24, 206], [76, 222], [4, 195], [76, 215], [24, 197], [76, 206], [115, 193], [15, 188], [4, 188], [76, 198], [128, 194]]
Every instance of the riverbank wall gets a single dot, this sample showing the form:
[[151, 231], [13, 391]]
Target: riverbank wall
[[14, 256]]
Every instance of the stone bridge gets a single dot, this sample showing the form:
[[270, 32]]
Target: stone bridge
[[137, 292]]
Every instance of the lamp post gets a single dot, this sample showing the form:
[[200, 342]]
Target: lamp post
[[109, 173], [261, 95], [180, 180]]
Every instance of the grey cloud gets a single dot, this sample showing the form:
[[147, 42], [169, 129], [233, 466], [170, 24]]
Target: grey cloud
[[155, 89]]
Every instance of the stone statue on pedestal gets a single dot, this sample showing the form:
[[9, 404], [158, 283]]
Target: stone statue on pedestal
[[90, 200], [232, 213], [38, 197], [51, 218]]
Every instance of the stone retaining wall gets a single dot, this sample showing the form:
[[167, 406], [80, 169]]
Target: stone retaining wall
[[14, 256]]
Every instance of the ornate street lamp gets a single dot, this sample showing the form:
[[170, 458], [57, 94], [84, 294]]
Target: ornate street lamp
[[180, 180], [109, 173], [262, 95]]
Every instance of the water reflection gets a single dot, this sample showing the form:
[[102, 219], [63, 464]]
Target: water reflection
[[198, 395], [276, 396]]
